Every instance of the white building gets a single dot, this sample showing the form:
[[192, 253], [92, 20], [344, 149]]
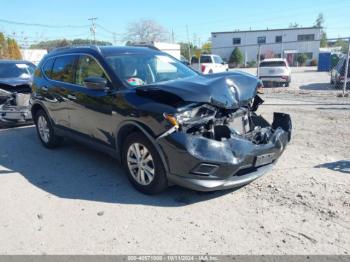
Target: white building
[[33, 55], [170, 48], [284, 43]]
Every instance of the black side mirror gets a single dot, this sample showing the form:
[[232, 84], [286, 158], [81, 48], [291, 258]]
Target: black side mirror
[[95, 82]]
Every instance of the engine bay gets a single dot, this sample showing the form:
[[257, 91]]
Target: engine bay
[[221, 124]]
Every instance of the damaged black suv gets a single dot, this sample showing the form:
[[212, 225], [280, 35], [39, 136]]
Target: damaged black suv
[[164, 122]]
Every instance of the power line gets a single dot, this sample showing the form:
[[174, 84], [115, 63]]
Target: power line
[[41, 25], [107, 30]]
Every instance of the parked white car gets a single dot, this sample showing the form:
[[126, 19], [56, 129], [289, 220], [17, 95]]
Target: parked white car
[[275, 70], [209, 64]]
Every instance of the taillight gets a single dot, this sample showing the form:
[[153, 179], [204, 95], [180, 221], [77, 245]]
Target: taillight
[[203, 68]]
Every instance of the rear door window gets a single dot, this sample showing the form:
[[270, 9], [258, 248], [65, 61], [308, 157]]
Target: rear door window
[[63, 69]]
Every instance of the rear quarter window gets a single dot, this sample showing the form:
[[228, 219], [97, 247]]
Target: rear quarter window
[[47, 67], [63, 69]]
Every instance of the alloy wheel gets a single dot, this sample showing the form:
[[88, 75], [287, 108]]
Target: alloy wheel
[[140, 164], [43, 128]]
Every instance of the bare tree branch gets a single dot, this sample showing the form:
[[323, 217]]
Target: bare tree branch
[[146, 31]]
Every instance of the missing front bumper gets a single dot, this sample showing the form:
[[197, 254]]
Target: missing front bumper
[[233, 162]]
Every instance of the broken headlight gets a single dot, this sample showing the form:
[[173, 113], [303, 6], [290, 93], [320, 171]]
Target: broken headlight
[[197, 115]]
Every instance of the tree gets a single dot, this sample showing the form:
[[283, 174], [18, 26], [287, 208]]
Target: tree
[[301, 58], [236, 57], [16, 50], [52, 44], [9, 48], [185, 47], [145, 31], [3, 46], [343, 44], [206, 48], [319, 22], [294, 25], [323, 42]]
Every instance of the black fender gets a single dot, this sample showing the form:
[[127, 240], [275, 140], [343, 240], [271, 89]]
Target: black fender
[[41, 104], [147, 133]]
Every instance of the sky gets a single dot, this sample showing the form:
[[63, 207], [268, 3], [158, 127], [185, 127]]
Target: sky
[[69, 18]]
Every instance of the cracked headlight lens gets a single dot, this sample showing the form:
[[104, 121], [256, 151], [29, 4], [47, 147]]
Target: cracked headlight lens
[[199, 114]]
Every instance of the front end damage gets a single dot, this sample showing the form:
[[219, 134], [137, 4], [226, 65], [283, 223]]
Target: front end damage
[[210, 146], [14, 104]]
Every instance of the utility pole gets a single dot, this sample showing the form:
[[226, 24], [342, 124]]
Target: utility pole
[[346, 75], [93, 28]]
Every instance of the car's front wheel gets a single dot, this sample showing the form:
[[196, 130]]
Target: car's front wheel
[[45, 130], [143, 164]]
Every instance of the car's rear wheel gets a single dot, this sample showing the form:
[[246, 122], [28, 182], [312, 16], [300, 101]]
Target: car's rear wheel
[[143, 164], [45, 130]]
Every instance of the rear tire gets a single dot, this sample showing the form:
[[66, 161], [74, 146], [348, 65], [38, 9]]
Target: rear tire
[[45, 130], [287, 84], [143, 164]]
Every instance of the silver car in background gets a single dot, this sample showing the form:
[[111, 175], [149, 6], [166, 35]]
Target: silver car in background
[[275, 71], [16, 78]]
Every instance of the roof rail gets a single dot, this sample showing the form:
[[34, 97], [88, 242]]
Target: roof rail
[[144, 44], [58, 49]]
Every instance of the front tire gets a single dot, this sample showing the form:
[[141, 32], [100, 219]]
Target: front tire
[[143, 165], [45, 130]]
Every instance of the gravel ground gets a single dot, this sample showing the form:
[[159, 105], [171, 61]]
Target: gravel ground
[[74, 200]]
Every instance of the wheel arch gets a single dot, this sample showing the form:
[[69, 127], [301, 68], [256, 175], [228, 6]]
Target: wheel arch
[[129, 127], [35, 108], [39, 106]]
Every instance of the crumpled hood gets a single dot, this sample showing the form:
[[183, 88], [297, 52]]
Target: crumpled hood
[[227, 90], [15, 81]]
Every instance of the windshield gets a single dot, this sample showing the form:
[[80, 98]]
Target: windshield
[[144, 69], [14, 70]]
